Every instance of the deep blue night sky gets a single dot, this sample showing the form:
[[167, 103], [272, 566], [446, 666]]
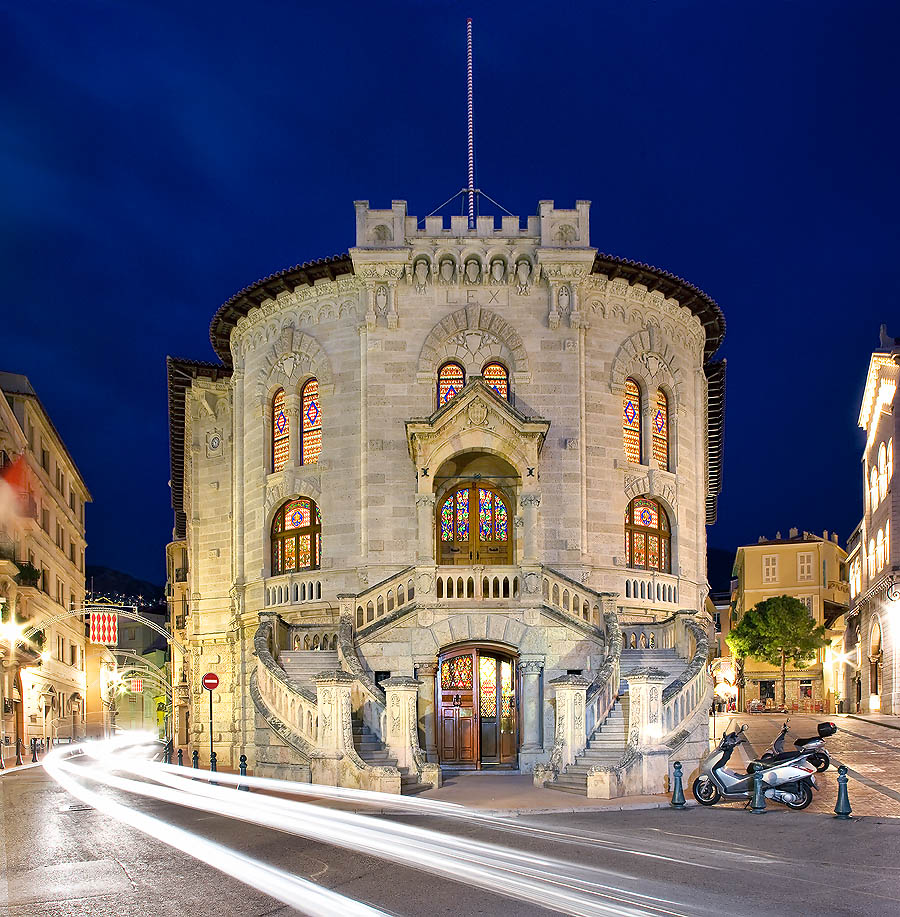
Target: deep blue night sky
[[158, 157]]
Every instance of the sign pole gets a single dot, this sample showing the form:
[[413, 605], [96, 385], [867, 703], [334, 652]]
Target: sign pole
[[210, 681]]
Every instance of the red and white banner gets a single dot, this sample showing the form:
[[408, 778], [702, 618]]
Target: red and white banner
[[137, 685], [104, 627]]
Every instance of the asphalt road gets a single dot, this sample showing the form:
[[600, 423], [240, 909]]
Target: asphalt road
[[56, 860]]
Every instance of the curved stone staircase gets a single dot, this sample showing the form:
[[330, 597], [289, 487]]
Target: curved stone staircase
[[371, 749], [302, 666], [606, 747]]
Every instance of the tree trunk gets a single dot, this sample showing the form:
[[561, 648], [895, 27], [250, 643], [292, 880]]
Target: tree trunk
[[783, 679]]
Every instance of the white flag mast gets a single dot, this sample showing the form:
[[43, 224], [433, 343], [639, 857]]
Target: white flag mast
[[471, 185]]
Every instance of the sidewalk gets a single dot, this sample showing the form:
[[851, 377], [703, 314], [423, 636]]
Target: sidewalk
[[887, 720]]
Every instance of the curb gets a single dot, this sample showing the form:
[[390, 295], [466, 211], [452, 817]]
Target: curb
[[864, 719]]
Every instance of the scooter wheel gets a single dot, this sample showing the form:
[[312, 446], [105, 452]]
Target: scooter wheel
[[804, 791], [820, 762], [705, 792]]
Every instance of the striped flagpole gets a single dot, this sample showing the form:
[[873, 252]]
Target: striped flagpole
[[471, 185]]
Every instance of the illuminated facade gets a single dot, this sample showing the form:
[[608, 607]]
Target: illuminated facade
[[43, 544], [870, 653], [483, 450], [810, 568]]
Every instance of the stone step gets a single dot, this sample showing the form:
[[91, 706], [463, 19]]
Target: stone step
[[564, 788]]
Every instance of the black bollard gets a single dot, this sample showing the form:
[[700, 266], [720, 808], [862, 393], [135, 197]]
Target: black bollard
[[758, 806], [842, 808], [19, 746], [677, 788], [2, 765], [195, 759], [212, 760], [180, 758], [34, 751], [242, 767]]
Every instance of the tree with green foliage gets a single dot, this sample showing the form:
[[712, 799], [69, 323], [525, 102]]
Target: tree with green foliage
[[777, 630]]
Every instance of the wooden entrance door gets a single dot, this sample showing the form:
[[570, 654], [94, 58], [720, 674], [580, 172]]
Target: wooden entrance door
[[477, 709], [474, 526]]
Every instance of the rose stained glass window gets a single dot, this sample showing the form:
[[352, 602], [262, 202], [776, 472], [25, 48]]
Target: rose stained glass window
[[496, 377], [296, 537], [647, 535], [661, 431], [456, 674], [311, 426], [451, 380], [281, 432], [487, 685], [631, 421]]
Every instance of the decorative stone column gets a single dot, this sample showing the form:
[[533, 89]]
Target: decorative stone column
[[645, 731], [292, 412], [530, 503], [530, 669], [334, 738], [425, 549], [426, 672], [570, 739], [401, 693]]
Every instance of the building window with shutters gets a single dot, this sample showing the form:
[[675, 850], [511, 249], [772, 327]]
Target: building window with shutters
[[805, 567], [770, 568]]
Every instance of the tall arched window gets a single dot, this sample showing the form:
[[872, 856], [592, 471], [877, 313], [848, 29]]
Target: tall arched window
[[879, 550], [882, 472], [870, 561], [281, 432], [647, 536], [631, 421], [311, 426], [296, 537], [873, 488], [890, 458], [661, 430], [451, 380], [496, 376]]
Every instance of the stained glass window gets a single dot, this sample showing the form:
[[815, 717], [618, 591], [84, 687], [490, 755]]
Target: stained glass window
[[451, 380], [487, 685], [447, 520], [493, 517], [647, 535], [496, 376], [462, 515], [507, 693], [281, 432], [631, 421], [311, 427], [296, 538], [456, 674], [661, 430]]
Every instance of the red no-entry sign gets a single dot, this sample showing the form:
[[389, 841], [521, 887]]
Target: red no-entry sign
[[210, 681]]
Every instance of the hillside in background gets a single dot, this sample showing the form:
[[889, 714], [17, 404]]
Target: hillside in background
[[121, 587]]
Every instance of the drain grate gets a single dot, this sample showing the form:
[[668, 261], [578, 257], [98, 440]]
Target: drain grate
[[75, 807]]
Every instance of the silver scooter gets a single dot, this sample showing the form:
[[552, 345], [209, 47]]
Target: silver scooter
[[789, 782], [814, 746]]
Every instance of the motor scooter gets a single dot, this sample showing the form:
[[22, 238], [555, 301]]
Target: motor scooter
[[789, 782], [814, 746]]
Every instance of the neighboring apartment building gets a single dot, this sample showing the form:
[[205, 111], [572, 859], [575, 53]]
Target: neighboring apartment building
[[45, 538], [812, 569], [871, 660], [177, 599]]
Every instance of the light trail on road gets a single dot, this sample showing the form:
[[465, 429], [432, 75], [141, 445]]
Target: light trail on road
[[549, 883]]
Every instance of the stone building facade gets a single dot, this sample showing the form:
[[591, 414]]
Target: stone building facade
[[872, 659], [465, 466]]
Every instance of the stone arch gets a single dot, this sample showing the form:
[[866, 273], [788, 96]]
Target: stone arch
[[647, 357], [295, 356], [472, 319]]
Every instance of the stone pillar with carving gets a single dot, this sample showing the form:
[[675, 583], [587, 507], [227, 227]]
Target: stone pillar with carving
[[426, 672], [645, 730], [530, 668], [426, 523], [401, 694], [335, 737], [570, 739], [530, 503]]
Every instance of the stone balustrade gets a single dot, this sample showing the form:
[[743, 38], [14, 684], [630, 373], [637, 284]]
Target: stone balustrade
[[691, 692], [477, 583], [293, 589], [295, 707], [392, 593], [648, 589]]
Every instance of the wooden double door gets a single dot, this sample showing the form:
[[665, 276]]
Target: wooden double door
[[474, 526], [477, 708]]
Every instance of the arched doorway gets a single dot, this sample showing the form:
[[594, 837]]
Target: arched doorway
[[876, 656], [474, 526], [477, 707]]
